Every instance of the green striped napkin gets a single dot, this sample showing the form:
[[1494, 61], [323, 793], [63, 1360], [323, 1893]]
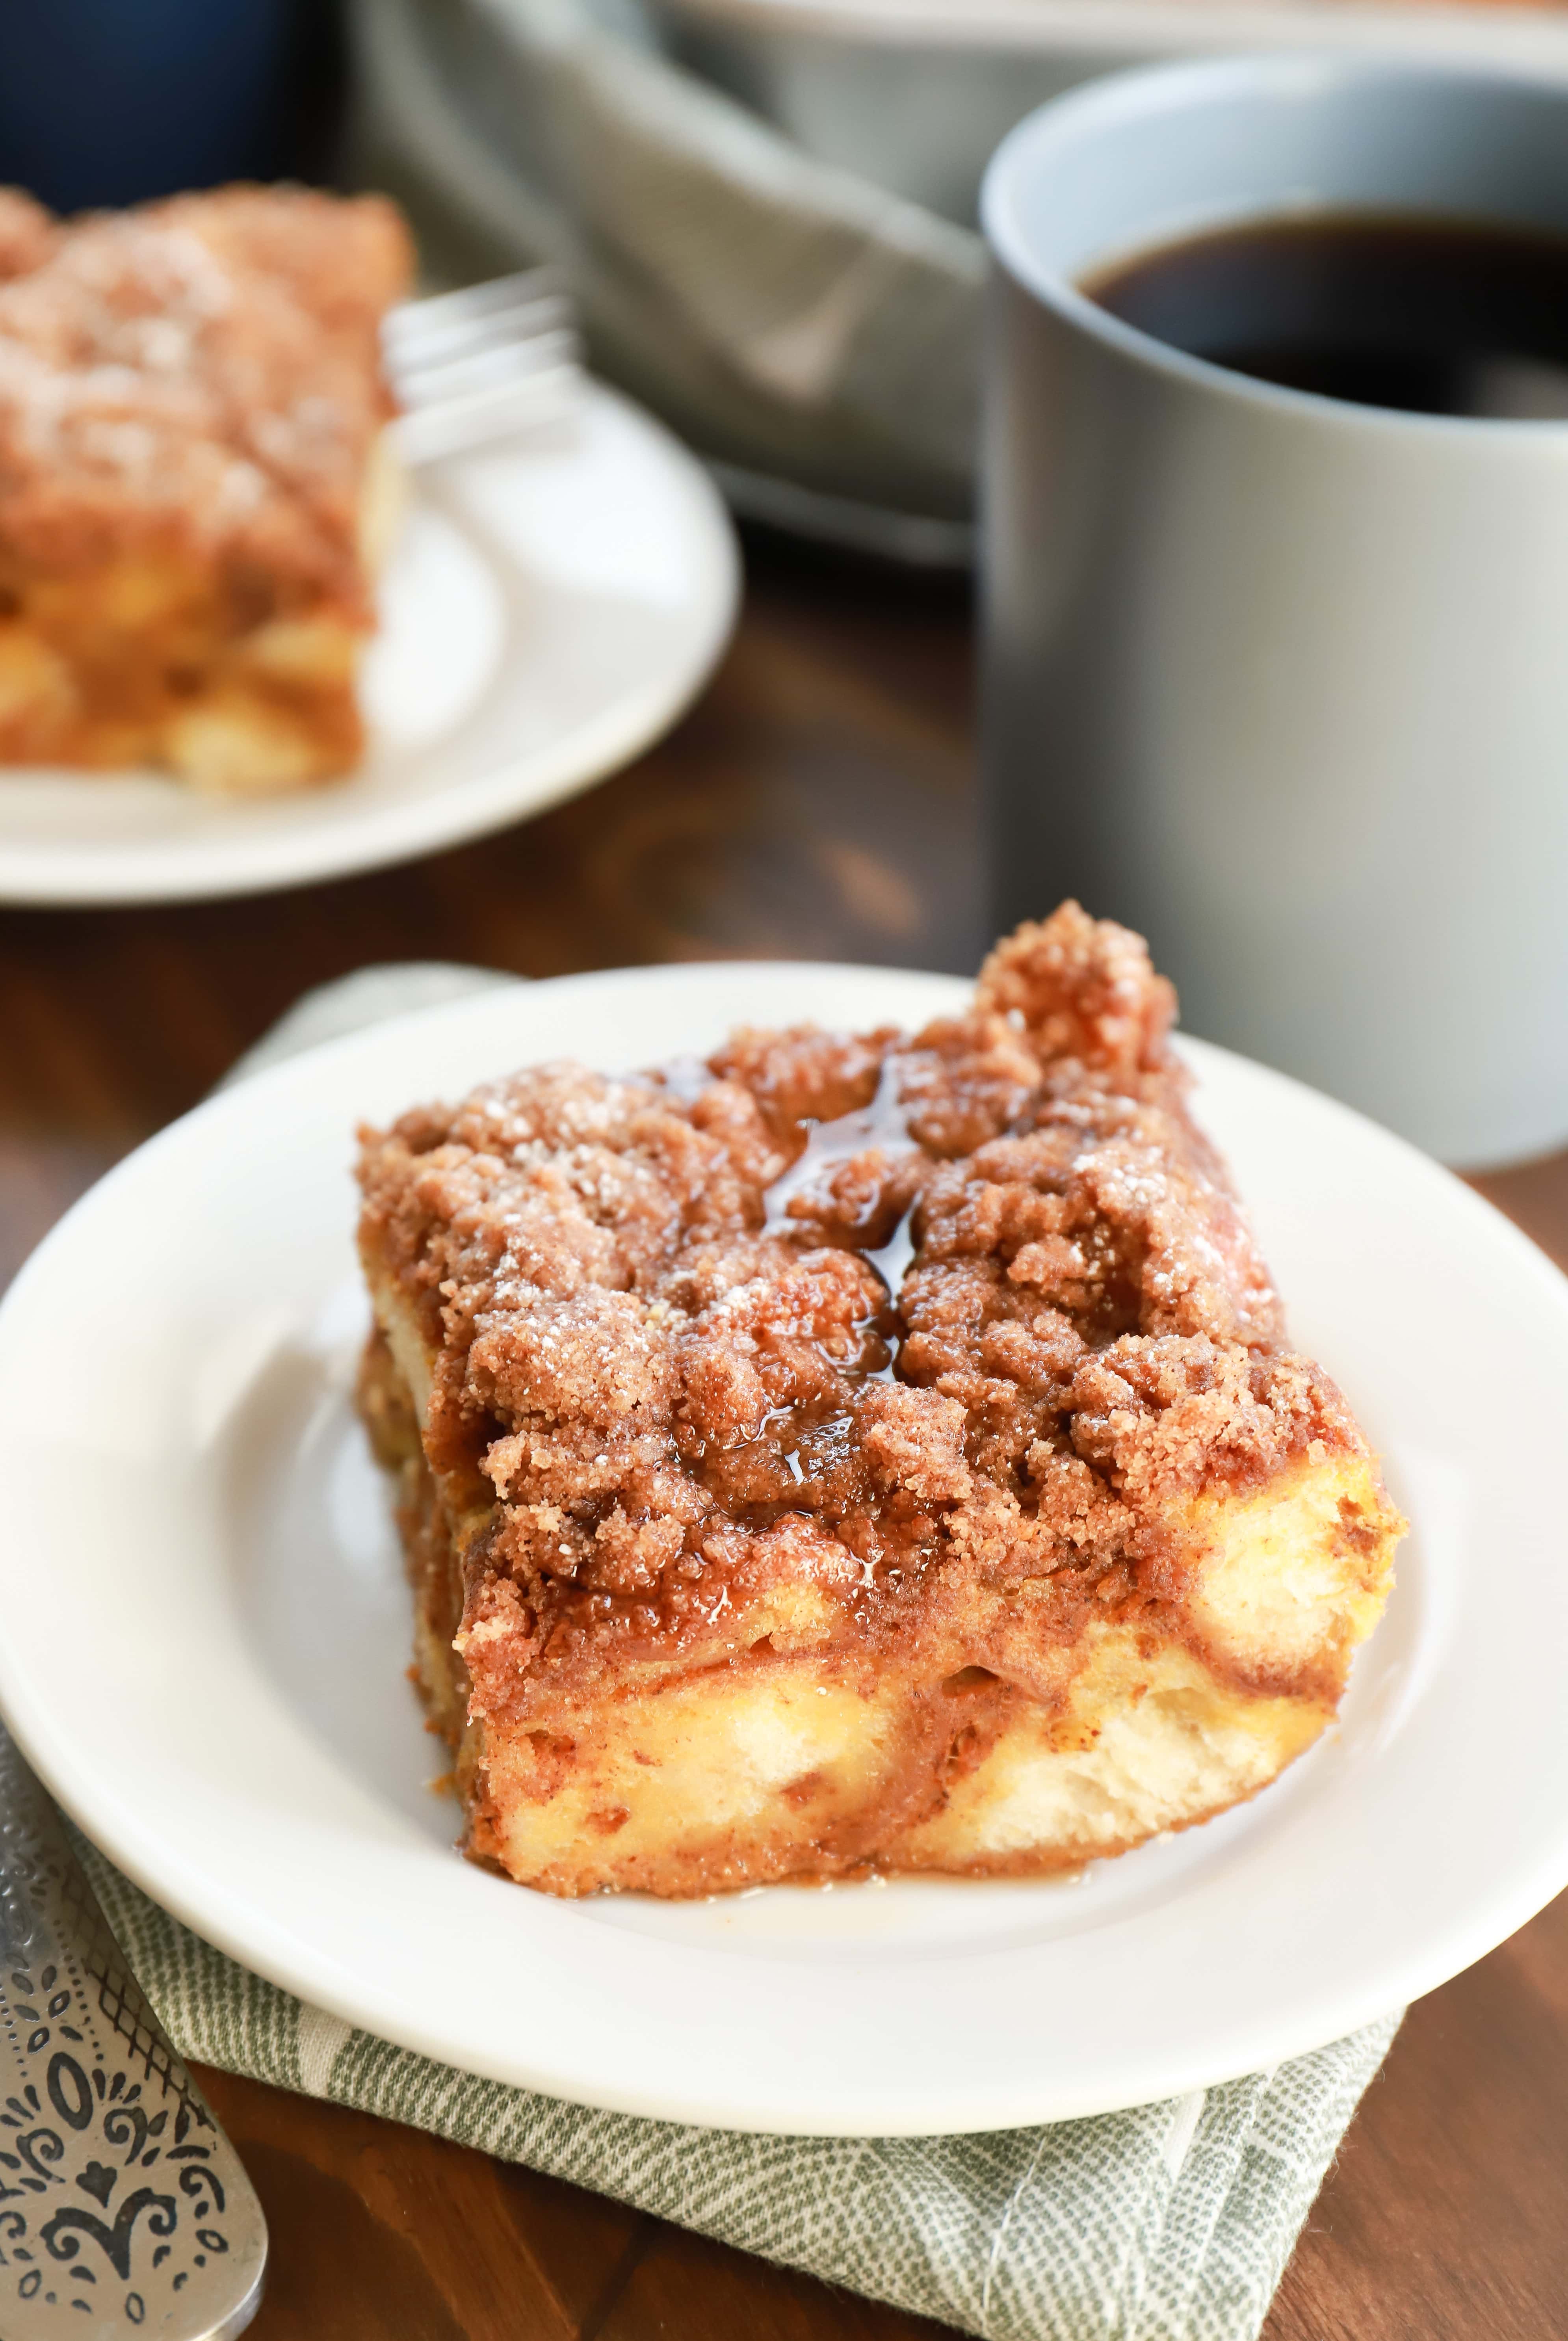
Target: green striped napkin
[[1169, 2222]]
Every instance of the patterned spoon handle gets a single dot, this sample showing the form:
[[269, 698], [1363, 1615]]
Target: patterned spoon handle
[[123, 2209]]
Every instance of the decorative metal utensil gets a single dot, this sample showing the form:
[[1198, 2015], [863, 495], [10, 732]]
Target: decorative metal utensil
[[123, 2209]]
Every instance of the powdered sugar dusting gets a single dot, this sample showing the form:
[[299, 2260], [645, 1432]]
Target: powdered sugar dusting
[[203, 371]]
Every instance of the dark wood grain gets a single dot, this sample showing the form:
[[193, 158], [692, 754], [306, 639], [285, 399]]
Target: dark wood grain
[[817, 803]]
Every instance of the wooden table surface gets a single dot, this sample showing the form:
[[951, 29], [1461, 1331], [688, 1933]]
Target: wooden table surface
[[818, 802]]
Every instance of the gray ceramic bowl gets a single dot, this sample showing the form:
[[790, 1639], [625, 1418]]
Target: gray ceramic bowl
[[916, 94]]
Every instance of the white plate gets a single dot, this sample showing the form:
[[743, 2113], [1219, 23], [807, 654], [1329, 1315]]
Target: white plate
[[207, 1629], [550, 608]]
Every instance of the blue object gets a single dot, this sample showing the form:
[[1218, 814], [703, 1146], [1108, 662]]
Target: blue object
[[114, 101]]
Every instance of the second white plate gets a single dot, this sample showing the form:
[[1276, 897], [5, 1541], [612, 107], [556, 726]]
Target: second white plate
[[207, 1629], [550, 608]]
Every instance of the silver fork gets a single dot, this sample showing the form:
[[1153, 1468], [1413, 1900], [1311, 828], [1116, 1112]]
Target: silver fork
[[485, 362]]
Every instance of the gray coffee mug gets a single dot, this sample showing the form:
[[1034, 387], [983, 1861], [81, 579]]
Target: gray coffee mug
[[1281, 681]]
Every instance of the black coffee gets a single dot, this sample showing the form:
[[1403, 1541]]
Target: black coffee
[[1434, 316]]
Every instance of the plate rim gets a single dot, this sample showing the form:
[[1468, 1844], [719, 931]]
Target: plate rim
[[219, 869], [1468, 1936]]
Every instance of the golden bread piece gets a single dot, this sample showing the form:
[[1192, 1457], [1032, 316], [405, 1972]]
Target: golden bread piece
[[857, 1452], [196, 485]]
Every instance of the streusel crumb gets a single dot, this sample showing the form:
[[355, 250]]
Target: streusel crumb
[[202, 376], [673, 1340]]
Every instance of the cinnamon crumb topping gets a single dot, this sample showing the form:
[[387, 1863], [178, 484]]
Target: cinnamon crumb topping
[[202, 376], [888, 1318], [28, 233]]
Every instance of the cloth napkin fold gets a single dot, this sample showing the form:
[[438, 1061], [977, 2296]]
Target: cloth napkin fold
[[1168, 2222]]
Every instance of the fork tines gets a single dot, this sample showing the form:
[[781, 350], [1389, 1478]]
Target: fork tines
[[483, 363]]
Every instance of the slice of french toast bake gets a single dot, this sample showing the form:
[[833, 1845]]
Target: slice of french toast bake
[[858, 1452]]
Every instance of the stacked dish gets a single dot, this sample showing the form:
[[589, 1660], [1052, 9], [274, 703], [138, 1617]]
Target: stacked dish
[[916, 94]]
